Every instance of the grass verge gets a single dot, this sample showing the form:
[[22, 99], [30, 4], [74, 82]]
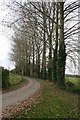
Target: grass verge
[[16, 82], [52, 103], [74, 84], [74, 80]]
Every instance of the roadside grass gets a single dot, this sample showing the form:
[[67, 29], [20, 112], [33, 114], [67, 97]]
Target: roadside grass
[[76, 82], [51, 103], [15, 81]]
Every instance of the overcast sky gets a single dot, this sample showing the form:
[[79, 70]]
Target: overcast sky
[[5, 46]]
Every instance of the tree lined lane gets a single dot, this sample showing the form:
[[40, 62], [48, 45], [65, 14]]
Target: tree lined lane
[[21, 94]]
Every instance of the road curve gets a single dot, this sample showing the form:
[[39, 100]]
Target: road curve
[[21, 94]]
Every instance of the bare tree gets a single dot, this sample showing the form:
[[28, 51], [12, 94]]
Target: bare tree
[[46, 30]]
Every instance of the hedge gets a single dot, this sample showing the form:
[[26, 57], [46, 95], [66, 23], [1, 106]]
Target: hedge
[[5, 78]]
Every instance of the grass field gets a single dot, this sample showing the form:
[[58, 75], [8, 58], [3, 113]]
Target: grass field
[[52, 103], [76, 84], [16, 82], [74, 80]]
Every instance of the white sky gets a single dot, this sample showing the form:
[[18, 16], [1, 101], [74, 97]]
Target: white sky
[[5, 46], [4, 52]]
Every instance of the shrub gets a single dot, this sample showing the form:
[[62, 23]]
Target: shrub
[[13, 71], [69, 84], [5, 78], [70, 87], [22, 80]]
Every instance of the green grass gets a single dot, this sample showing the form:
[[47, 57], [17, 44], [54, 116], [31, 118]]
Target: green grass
[[15, 81], [74, 80], [52, 103]]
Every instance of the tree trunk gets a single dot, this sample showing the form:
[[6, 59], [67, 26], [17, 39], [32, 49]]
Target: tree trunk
[[38, 64], [55, 50], [62, 54], [50, 59], [33, 60], [44, 59], [43, 71]]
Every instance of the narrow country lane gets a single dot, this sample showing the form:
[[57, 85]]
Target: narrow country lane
[[21, 94]]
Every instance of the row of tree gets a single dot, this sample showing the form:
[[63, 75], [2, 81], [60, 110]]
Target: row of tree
[[41, 40]]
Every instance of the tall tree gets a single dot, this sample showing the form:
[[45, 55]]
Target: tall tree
[[61, 54], [55, 52], [46, 51]]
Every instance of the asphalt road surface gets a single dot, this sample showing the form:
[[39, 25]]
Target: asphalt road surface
[[20, 94]]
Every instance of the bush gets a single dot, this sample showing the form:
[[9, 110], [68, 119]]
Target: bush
[[5, 78], [22, 80], [13, 71], [69, 86]]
